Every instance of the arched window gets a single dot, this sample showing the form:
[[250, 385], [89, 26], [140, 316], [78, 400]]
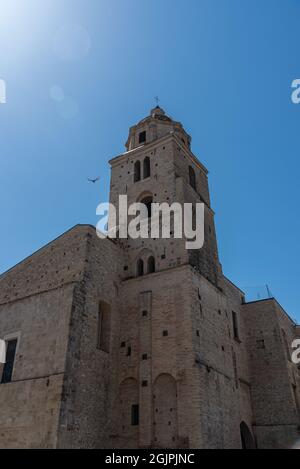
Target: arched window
[[140, 268], [146, 168], [104, 324], [137, 171], [148, 202], [151, 265], [192, 176]]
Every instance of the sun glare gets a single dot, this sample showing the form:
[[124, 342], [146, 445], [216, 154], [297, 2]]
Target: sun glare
[[21, 26], [13, 12]]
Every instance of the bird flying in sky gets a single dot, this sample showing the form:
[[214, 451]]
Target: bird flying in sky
[[94, 180]]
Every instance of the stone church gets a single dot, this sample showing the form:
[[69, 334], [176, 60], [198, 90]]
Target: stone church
[[142, 343]]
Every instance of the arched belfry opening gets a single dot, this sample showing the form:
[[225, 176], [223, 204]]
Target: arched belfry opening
[[246, 437], [148, 201], [146, 167], [137, 171]]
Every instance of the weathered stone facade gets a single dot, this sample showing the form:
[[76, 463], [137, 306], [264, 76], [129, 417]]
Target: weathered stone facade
[[173, 358]]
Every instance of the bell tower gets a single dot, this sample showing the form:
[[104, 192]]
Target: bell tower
[[159, 166], [160, 312]]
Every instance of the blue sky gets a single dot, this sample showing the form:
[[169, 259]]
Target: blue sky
[[222, 67]]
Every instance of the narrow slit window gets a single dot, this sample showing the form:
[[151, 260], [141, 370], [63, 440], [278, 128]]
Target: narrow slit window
[[135, 417], [104, 319], [235, 325]]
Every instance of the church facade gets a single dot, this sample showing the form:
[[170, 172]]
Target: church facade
[[141, 343]]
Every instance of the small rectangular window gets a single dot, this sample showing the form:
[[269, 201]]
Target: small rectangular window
[[235, 326], [260, 344], [135, 415], [142, 137], [11, 347]]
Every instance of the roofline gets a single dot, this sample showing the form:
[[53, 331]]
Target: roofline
[[261, 300], [233, 284], [277, 302], [79, 225]]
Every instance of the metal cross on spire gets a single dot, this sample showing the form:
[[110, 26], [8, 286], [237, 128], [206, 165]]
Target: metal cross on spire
[[157, 100]]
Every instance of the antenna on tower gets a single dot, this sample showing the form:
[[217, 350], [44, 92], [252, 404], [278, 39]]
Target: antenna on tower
[[269, 292]]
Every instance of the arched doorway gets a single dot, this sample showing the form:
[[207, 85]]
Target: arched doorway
[[246, 437]]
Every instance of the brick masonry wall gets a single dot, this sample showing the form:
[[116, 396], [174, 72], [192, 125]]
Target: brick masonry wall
[[170, 346], [35, 306], [89, 381]]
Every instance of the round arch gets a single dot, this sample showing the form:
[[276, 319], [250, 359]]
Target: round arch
[[165, 411]]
